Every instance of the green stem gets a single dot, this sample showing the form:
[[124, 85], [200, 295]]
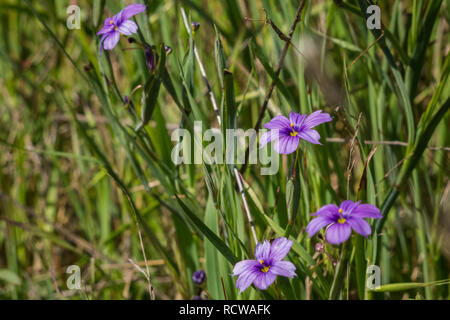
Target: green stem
[[294, 168], [339, 276], [294, 195]]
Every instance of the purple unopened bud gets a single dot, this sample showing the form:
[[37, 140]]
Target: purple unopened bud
[[195, 26], [168, 50], [150, 59], [128, 102], [199, 277], [197, 298]]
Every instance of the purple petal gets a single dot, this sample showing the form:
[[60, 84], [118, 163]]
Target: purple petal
[[367, 211], [111, 40], [132, 10], [244, 266], [107, 22], [268, 137], [279, 249], [283, 268], [338, 232], [348, 205], [246, 279], [264, 280], [118, 19], [315, 119], [316, 224], [128, 28], [262, 251], [330, 210], [296, 118], [279, 122], [101, 41], [108, 27], [359, 225], [286, 144], [310, 135]]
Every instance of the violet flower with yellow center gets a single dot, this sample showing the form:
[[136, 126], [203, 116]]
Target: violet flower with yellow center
[[119, 24], [269, 264], [286, 133], [341, 220]]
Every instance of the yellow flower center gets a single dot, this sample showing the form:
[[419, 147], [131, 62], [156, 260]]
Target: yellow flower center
[[294, 133], [111, 22], [341, 220], [115, 29], [340, 210], [265, 269], [292, 124]]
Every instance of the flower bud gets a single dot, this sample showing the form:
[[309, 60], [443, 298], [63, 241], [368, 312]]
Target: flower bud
[[150, 59], [195, 26], [319, 247], [199, 277]]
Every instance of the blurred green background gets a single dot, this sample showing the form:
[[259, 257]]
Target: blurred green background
[[78, 185]]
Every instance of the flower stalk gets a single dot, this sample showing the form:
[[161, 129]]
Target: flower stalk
[[339, 275]]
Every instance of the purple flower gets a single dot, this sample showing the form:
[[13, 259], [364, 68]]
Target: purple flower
[[342, 220], [263, 271], [287, 132], [119, 24], [199, 277]]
